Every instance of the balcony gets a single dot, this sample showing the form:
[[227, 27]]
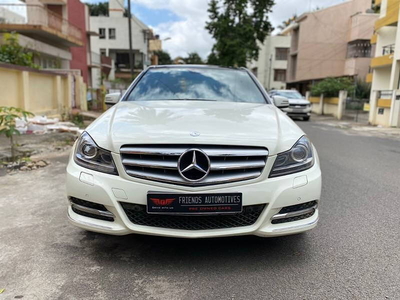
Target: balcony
[[95, 60], [385, 98], [392, 16], [389, 49], [40, 24]]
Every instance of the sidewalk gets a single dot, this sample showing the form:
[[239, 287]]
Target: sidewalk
[[356, 127]]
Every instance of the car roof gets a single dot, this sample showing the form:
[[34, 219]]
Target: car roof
[[197, 66]]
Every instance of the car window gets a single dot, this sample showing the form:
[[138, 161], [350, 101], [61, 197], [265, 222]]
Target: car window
[[290, 94], [205, 84]]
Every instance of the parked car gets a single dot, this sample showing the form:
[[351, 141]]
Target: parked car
[[193, 152], [299, 107]]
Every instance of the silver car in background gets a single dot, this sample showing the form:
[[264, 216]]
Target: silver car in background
[[299, 107]]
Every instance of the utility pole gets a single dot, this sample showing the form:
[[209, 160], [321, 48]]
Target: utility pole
[[130, 38], [269, 75]]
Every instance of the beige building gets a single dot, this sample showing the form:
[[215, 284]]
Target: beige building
[[385, 75], [331, 42], [270, 67]]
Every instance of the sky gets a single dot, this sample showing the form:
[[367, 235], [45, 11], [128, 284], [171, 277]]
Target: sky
[[183, 21]]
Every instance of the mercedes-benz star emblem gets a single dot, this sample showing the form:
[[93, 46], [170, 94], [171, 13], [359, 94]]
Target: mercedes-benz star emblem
[[194, 165]]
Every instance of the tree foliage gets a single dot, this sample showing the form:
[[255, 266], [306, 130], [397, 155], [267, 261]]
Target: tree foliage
[[12, 52], [236, 26], [330, 87], [363, 89], [163, 57], [193, 58], [98, 9], [7, 122], [287, 22]]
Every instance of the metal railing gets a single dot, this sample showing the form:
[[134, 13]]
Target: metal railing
[[385, 94], [37, 15], [389, 49]]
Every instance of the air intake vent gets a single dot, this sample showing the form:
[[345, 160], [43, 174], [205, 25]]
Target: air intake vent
[[137, 215], [160, 163]]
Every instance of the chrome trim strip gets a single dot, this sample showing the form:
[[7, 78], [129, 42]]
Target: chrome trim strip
[[296, 227], [295, 213], [87, 223], [93, 211], [176, 151]]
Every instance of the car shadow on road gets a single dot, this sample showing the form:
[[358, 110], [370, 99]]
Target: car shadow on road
[[154, 252]]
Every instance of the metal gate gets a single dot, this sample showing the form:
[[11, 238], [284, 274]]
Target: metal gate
[[355, 112]]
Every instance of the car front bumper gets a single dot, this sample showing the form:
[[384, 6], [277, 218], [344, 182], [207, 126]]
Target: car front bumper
[[275, 193], [300, 112]]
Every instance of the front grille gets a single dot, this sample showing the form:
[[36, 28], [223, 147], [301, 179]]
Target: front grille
[[137, 215], [298, 105], [160, 163]]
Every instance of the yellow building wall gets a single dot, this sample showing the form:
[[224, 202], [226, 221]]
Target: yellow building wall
[[10, 88], [40, 92]]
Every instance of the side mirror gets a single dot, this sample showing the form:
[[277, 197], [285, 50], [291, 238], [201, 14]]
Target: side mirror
[[281, 102], [112, 99]]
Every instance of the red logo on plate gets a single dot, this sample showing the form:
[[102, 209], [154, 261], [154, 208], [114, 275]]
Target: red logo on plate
[[162, 202]]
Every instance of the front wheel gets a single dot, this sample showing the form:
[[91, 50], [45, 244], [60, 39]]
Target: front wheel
[[306, 118]]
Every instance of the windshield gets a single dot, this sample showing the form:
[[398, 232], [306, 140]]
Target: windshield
[[289, 94], [204, 84]]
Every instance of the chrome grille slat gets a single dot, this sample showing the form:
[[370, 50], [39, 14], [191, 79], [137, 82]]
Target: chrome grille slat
[[246, 164], [150, 163], [160, 163], [211, 179]]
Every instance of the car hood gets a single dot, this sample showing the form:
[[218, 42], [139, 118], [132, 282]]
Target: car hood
[[298, 101], [173, 122]]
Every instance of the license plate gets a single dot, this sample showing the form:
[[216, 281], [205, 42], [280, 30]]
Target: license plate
[[171, 203]]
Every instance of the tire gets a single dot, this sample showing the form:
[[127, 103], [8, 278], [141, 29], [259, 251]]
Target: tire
[[306, 118]]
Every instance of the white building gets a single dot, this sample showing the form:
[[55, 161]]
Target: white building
[[270, 68], [113, 40]]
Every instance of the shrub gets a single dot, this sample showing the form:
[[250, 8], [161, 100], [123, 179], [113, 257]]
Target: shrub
[[331, 87]]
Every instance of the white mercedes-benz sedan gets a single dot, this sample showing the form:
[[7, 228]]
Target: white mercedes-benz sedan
[[193, 152]]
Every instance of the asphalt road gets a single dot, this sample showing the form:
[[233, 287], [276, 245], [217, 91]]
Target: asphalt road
[[352, 254]]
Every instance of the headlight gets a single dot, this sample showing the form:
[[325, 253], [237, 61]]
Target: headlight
[[297, 159], [89, 155]]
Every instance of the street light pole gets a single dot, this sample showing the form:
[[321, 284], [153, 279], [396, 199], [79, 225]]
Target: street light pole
[[130, 38]]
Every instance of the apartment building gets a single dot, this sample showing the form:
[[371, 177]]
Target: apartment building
[[385, 66], [271, 65], [44, 28], [331, 42], [113, 41]]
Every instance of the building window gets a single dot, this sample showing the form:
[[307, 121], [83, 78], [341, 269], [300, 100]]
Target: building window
[[359, 48], [122, 60], [280, 75], [281, 53], [111, 33], [102, 33], [103, 52]]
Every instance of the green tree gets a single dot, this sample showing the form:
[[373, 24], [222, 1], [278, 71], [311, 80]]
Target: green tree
[[212, 59], [98, 9], [331, 87], [12, 52], [7, 123], [163, 57], [193, 59], [236, 26], [363, 89]]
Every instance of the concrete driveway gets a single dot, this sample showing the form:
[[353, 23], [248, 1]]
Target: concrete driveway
[[354, 253]]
